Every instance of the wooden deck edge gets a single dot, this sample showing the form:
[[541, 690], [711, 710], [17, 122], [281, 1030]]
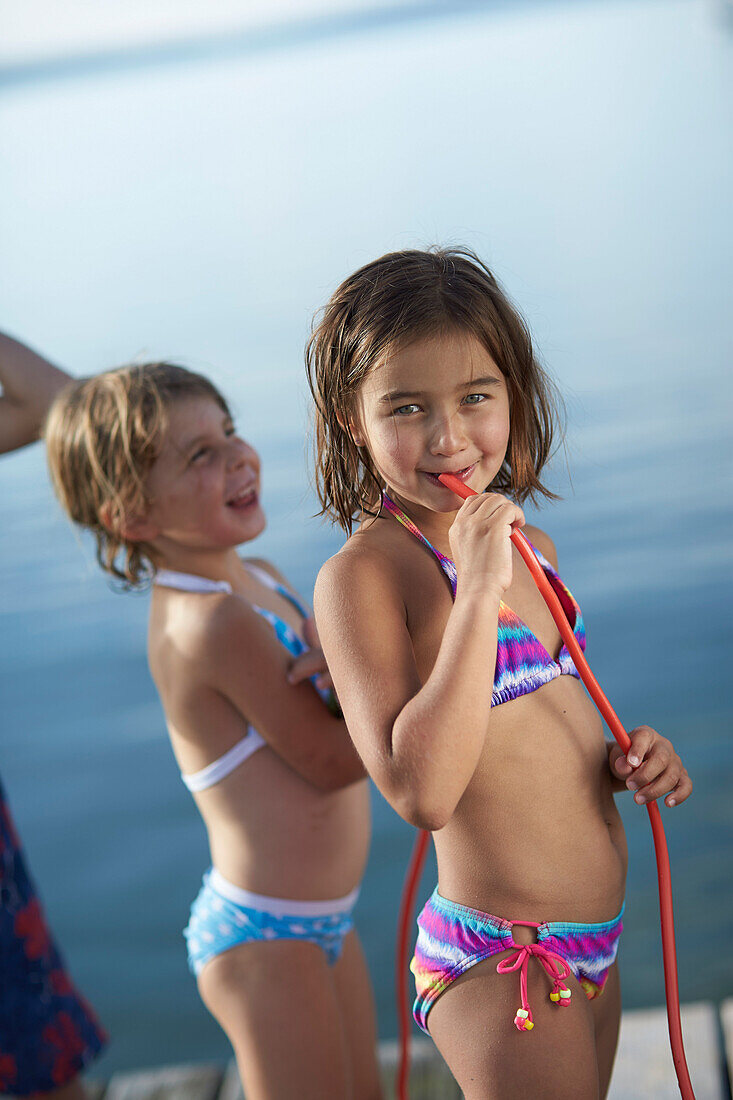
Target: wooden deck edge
[[643, 1069]]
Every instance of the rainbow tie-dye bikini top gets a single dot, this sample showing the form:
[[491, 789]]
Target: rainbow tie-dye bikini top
[[522, 662]]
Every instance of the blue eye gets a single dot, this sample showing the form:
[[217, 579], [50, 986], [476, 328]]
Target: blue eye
[[405, 410]]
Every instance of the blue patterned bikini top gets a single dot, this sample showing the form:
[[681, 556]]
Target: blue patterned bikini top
[[190, 582], [522, 662]]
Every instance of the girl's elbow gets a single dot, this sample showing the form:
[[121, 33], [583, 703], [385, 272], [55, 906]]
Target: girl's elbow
[[426, 804], [429, 822], [429, 814]]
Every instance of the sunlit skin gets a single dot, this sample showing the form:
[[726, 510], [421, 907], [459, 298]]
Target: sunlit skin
[[519, 797], [293, 820]]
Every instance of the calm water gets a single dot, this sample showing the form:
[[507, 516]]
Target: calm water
[[203, 211]]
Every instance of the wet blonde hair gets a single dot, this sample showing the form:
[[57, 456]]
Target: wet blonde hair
[[103, 435], [384, 307]]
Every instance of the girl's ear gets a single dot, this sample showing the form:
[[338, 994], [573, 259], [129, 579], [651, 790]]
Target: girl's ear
[[132, 527], [351, 428]]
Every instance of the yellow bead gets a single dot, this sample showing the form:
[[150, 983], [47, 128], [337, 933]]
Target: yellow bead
[[528, 1025], [554, 996]]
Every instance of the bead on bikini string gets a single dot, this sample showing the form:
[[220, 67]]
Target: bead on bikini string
[[560, 994], [554, 965]]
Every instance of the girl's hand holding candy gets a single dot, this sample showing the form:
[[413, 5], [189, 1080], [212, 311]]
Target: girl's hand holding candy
[[479, 540]]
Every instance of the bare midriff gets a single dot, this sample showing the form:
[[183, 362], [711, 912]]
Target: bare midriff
[[536, 835], [315, 851]]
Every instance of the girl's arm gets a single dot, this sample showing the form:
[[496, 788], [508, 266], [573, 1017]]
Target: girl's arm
[[29, 383], [311, 662], [235, 650], [420, 742], [652, 768]]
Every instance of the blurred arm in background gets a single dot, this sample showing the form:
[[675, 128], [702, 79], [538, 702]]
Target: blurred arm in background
[[29, 384]]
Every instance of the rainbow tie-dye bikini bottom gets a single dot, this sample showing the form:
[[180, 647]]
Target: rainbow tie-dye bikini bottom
[[452, 938]]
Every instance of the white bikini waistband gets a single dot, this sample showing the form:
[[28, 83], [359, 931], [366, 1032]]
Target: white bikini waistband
[[279, 907]]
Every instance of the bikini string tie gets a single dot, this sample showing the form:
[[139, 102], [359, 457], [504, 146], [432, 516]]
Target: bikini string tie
[[556, 968]]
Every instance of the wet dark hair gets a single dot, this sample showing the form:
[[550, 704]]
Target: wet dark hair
[[103, 435], [387, 305]]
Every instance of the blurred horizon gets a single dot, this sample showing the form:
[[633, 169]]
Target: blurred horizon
[[31, 36]]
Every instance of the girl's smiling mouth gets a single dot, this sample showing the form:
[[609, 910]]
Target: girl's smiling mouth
[[243, 499], [463, 474]]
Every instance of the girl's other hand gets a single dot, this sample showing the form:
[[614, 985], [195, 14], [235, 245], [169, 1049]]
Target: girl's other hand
[[480, 541], [651, 768], [312, 662]]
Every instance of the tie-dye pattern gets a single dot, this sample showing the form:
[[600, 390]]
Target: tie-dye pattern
[[522, 662], [452, 938]]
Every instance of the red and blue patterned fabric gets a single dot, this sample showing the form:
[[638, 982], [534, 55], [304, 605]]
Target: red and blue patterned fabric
[[48, 1033]]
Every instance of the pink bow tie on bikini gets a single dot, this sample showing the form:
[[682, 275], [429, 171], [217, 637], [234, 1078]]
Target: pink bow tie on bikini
[[555, 966]]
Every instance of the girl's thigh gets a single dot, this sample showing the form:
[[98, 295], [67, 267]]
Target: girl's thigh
[[277, 1003], [606, 1011], [472, 1024], [356, 1001]]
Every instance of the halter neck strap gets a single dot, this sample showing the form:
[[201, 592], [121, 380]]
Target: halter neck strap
[[446, 564]]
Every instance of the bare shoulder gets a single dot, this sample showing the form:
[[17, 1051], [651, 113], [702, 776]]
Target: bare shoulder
[[186, 636], [269, 568], [205, 627], [362, 571], [272, 571], [543, 542]]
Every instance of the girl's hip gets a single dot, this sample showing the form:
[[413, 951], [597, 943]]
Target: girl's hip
[[224, 916]]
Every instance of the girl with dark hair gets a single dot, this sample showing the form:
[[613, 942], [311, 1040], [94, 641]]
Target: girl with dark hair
[[463, 703]]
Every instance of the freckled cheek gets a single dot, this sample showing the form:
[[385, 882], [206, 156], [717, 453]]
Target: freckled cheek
[[393, 449], [496, 434]]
